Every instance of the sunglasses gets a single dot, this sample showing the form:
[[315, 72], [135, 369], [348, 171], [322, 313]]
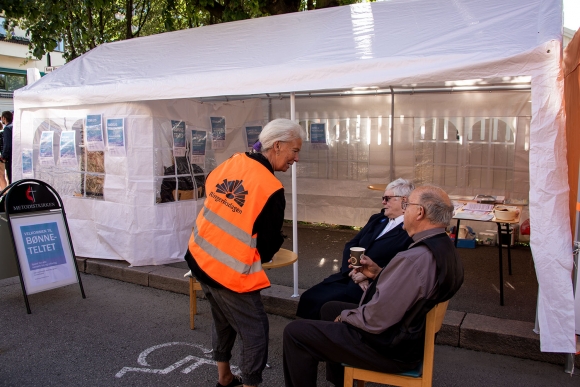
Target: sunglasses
[[387, 198]]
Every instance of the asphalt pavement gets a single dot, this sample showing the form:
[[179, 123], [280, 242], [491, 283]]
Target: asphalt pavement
[[124, 334]]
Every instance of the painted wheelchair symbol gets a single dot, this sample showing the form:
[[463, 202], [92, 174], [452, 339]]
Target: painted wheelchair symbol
[[191, 361]]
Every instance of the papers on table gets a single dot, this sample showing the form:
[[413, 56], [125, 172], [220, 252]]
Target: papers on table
[[480, 207]]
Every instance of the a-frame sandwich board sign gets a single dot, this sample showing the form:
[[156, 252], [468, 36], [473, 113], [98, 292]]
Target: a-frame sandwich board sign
[[35, 218]]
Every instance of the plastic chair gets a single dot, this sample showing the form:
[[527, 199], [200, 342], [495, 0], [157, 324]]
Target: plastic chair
[[194, 286], [422, 376]]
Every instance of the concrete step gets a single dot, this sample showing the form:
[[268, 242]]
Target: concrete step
[[460, 329]]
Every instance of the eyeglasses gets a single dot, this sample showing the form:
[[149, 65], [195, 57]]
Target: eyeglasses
[[405, 204], [387, 198]]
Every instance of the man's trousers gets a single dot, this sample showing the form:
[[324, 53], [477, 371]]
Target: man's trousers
[[307, 342]]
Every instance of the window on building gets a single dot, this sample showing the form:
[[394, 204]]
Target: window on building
[[11, 82]]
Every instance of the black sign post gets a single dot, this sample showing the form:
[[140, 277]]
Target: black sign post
[[35, 218]]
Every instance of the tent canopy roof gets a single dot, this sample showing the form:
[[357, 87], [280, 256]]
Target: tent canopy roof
[[364, 45]]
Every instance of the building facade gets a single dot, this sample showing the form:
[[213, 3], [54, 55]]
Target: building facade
[[15, 59]]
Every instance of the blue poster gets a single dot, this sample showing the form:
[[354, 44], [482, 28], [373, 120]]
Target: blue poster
[[46, 144], [115, 135], [317, 134], [94, 128], [27, 170], [43, 245], [218, 128], [198, 140], [67, 144], [252, 134], [178, 134]]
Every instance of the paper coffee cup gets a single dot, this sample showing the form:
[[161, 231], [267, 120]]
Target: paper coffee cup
[[355, 253]]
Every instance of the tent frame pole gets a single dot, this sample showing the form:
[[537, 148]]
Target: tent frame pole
[[570, 357], [294, 204]]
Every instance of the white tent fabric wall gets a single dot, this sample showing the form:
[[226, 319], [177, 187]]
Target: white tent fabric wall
[[400, 42], [326, 185], [127, 224]]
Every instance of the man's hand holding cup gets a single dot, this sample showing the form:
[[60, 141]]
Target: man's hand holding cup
[[367, 267]]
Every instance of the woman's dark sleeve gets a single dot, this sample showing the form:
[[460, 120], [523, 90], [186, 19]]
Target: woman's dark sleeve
[[268, 226]]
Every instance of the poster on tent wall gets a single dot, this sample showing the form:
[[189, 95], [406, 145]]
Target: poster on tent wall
[[252, 135], [44, 252], [68, 150], [94, 125], [318, 136], [27, 170], [178, 128], [46, 154], [218, 132], [198, 143], [116, 137]]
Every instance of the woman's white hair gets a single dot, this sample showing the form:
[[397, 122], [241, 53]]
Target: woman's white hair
[[280, 129]]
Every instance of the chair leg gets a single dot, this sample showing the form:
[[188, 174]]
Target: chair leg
[[348, 376], [192, 303]]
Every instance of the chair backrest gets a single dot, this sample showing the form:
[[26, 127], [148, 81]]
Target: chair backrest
[[433, 325], [437, 314]]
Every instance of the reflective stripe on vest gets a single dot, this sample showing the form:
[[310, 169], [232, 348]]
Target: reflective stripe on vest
[[230, 261], [222, 242]]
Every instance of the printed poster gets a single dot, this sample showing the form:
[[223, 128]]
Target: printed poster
[[116, 137], [178, 138], [68, 150], [46, 148], [27, 171], [218, 132], [252, 135], [318, 136], [198, 144], [94, 127], [44, 252]]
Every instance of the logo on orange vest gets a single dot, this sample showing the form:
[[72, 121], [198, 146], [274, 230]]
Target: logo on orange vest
[[233, 190]]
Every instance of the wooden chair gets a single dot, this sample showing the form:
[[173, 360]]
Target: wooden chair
[[194, 286], [422, 376]]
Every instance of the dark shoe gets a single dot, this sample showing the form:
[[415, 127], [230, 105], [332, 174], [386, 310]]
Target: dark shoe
[[236, 382]]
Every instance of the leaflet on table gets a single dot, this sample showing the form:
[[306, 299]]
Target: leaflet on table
[[46, 146], [94, 128], [473, 215], [116, 137], [44, 254], [198, 143], [178, 128], [218, 132], [252, 135], [68, 150], [27, 170], [318, 136]]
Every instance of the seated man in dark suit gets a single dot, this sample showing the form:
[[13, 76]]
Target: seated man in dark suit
[[385, 331], [382, 237]]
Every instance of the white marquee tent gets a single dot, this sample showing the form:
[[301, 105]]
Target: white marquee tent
[[150, 81]]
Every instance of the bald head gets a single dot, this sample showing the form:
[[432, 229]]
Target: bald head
[[430, 208]]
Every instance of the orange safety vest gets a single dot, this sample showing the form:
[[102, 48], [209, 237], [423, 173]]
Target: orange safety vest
[[222, 243]]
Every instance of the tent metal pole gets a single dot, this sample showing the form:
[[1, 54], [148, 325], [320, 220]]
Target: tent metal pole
[[373, 91], [392, 137], [294, 204], [569, 365]]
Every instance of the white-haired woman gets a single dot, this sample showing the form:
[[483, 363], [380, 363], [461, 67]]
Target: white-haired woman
[[239, 228]]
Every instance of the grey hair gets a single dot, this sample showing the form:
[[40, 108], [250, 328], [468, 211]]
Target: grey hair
[[401, 187], [438, 207], [280, 129]]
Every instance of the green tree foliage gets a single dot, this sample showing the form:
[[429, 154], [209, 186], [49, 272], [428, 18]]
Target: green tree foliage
[[84, 24]]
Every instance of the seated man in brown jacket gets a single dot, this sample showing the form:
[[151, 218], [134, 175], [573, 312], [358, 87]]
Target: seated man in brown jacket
[[385, 332]]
